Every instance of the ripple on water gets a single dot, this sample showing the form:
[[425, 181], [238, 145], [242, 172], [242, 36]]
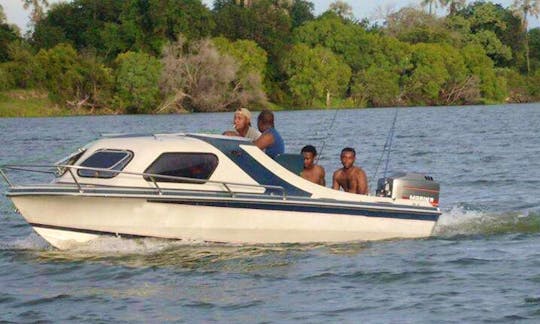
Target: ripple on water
[[481, 265]]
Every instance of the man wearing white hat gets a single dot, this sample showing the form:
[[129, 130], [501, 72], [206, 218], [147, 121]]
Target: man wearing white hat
[[242, 125]]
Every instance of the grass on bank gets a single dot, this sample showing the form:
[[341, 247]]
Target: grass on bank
[[29, 103]]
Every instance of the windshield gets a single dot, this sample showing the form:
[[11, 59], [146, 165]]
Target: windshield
[[68, 160]]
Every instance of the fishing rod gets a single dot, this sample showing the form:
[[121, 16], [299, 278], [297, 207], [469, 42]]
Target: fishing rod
[[386, 149], [326, 137]]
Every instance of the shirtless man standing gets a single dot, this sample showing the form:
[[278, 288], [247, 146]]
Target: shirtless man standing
[[351, 178], [312, 172]]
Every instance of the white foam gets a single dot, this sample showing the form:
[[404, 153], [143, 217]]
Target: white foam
[[461, 221]]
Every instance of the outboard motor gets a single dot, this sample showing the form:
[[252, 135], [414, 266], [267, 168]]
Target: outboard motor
[[413, 186]]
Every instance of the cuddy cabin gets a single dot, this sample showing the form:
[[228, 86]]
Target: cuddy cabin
[[209, 188]]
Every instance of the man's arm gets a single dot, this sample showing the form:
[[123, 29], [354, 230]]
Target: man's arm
[[335, 183], [362, 182], [264, 141], [322, 175]]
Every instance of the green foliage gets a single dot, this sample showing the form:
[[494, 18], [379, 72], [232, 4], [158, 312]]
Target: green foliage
[[8, 34], [6, 80], [425, 81], [416, 26], [534, 47], [111, 27], [248, 54], [28, 103], [136, 82], [23, 67], [344, 38], [493, 88], [315, 74], [482, 17], [109, 53], [533, 85], [263, 22], [72, 79], [376, 87], [493, 46], [301, 12]]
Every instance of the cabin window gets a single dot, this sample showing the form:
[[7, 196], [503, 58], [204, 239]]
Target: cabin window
[[105, 159], [186, 165]]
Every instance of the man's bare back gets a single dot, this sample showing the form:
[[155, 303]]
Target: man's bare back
[[316, 175]]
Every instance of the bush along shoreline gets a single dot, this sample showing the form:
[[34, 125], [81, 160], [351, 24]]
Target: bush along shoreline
[[129, 57]]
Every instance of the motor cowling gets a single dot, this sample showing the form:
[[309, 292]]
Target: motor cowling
[[412, 186]]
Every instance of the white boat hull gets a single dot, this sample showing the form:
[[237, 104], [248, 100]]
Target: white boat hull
[[62, 220]]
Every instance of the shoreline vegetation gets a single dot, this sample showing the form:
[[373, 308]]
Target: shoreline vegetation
[[92, 57]]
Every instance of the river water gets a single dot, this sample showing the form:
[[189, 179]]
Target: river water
[[482, 264]]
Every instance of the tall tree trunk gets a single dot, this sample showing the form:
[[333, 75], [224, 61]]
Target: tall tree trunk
[[525, 27]]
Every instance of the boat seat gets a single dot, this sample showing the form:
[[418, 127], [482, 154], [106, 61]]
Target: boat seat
[[292, 162]]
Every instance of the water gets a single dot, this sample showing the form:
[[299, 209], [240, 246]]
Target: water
[[483, 264]]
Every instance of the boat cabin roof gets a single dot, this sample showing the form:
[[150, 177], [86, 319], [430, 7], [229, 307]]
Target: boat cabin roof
[[216, 162]]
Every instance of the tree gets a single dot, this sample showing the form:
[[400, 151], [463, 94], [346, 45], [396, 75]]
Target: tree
[[430, 4], [534, 45], [424, 82], [495, 49], [493, 88], [112, 27], [315, 74], [2, 15], [72, 79], [415, 26], [201, 79], [8, 34], [262, 22], [344, 38], [487, 16], [38, 8], [342, 9], [136, 82], [376, 86], [524, 8], [301, 12], [251, 58], [453, 4], [22, 66]]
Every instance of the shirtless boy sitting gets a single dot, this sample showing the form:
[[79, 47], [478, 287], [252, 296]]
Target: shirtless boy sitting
[[351, 178], [312, 172]]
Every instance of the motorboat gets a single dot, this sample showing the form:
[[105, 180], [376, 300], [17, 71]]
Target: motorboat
[[210, 188]]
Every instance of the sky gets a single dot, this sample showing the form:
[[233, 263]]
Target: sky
[[370, 9]]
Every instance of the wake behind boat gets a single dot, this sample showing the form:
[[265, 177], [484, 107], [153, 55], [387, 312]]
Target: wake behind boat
[[211, 188]]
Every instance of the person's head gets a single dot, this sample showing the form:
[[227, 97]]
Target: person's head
[[309, 152], [242, 119], [348, 155], [265, 120]]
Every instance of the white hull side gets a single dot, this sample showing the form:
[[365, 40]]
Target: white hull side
[[136, 216]]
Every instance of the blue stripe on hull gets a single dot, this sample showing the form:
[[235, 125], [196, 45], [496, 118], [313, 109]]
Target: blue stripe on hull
[[304, 209]]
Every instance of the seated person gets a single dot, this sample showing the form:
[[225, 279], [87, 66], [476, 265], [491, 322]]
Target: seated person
[[242, 125], [312, 172], [351, 178], [270, 141]]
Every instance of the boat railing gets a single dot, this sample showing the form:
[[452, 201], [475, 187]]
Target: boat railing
[[38, 168]]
